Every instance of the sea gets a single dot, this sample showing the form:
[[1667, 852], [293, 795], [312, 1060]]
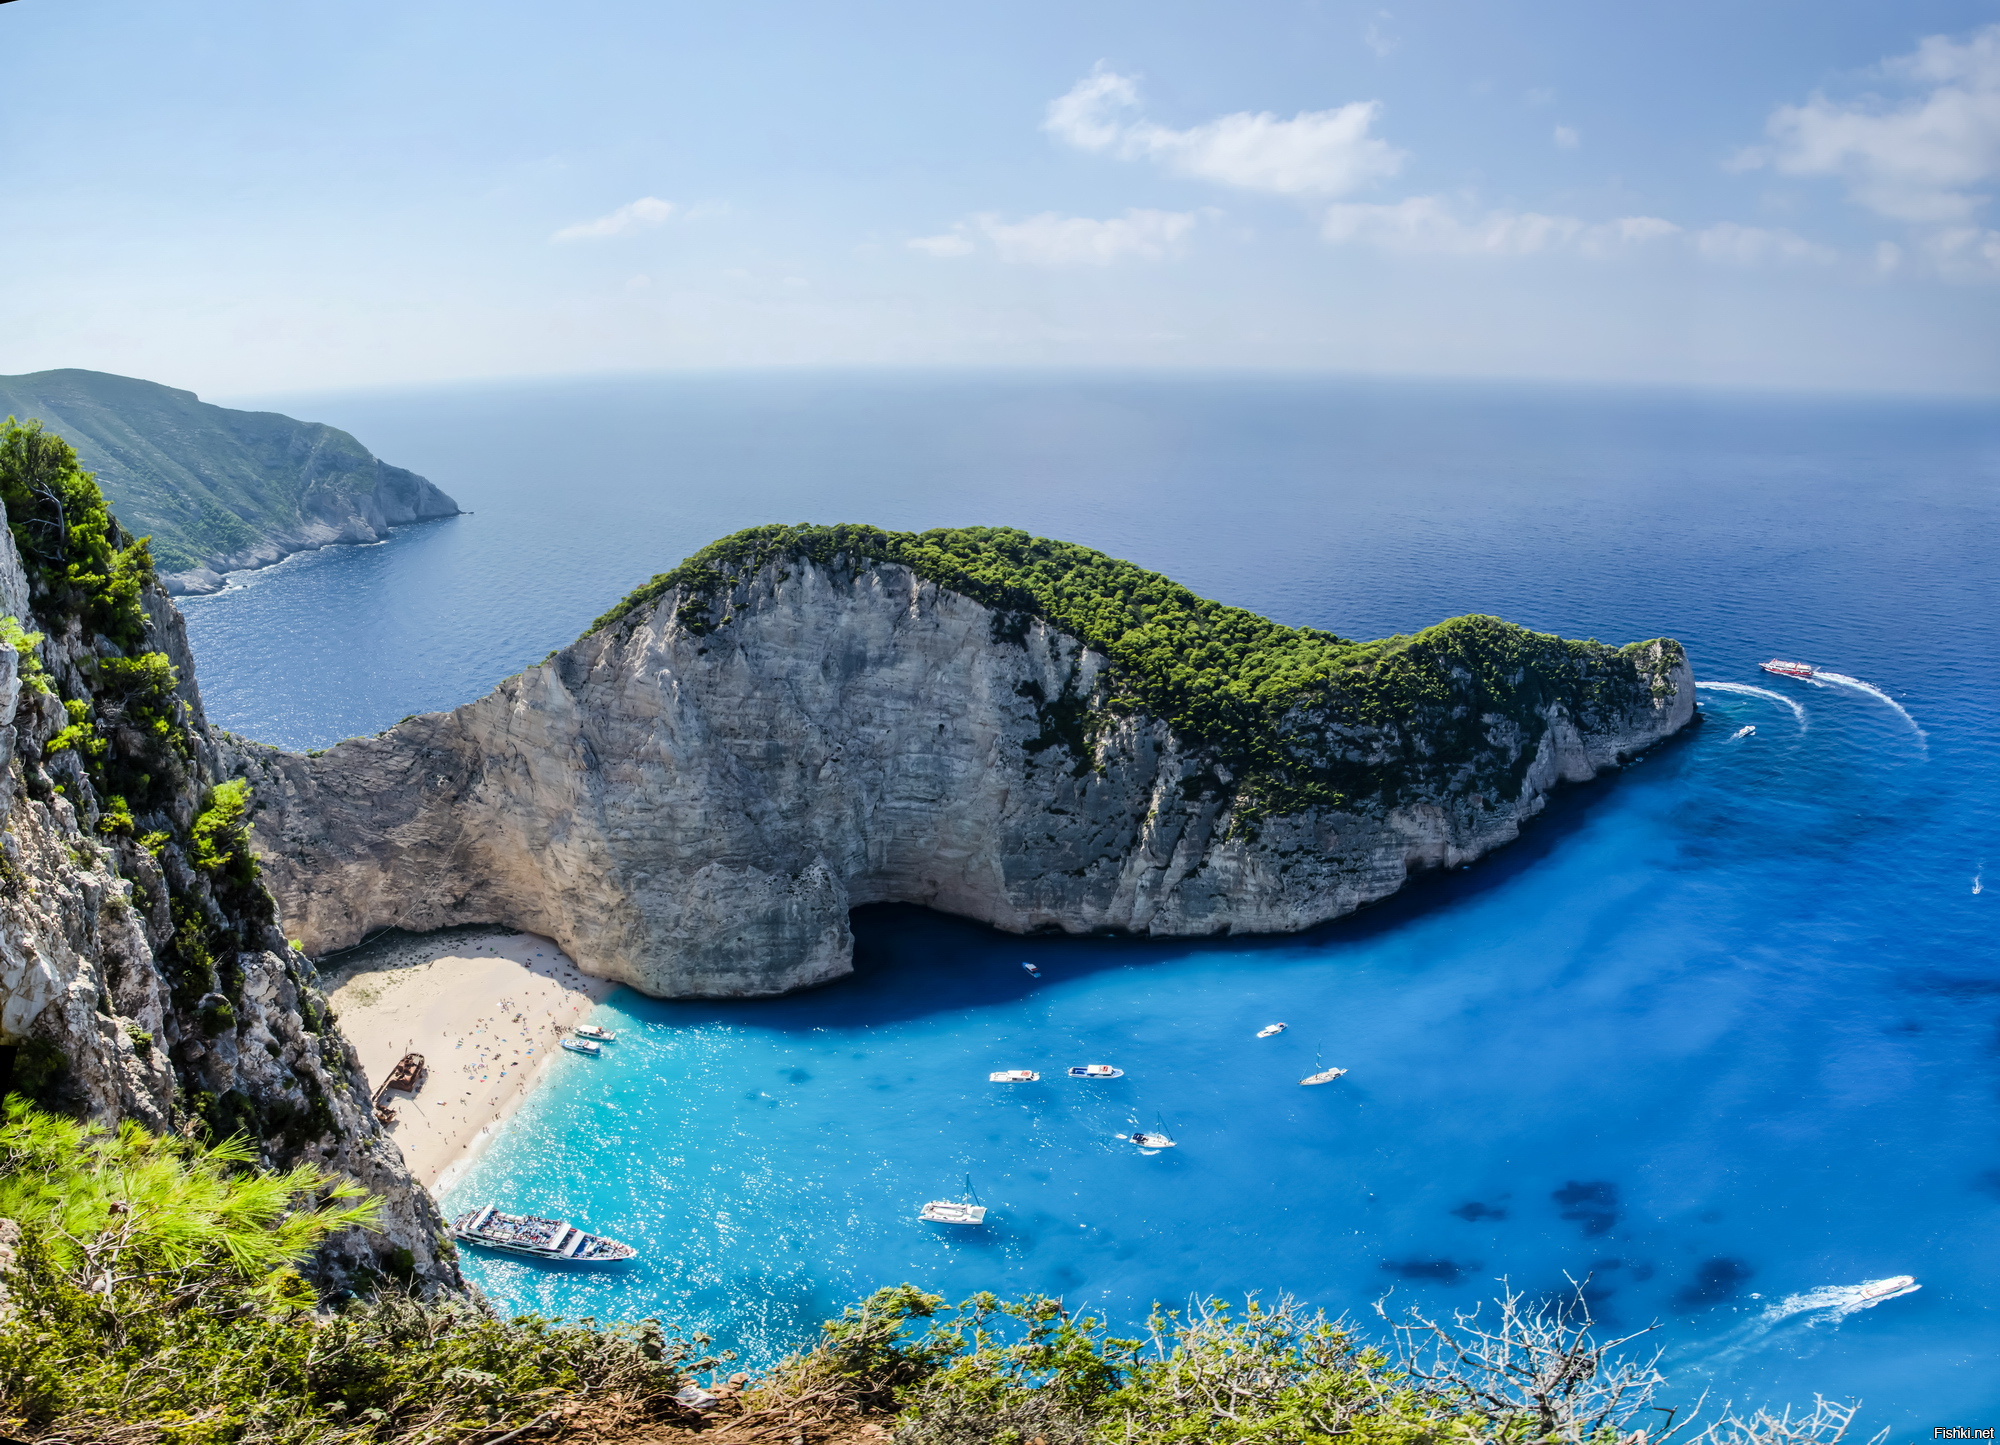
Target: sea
[[1717, 1041]]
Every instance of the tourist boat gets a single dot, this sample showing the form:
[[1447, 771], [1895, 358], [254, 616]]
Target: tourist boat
[[1788, 669], [1014, 1076], [1033, 972], [594, 1031], [583, 1046], [1153, 1141], [1271, 1031], [955, 1211], [1095, 1071], [1324, 1076], [552, 1239], [1746, 731]]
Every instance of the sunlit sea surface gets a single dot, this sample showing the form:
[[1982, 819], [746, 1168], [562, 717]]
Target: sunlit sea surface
[[1721, 1034]]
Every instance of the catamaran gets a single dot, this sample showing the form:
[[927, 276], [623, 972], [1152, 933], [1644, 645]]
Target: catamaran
[[1014, 1076], [1095, 1071], [1788, 669], [552, 1239], [955, 1211]]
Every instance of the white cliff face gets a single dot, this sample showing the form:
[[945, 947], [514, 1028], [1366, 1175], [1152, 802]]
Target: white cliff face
[[694, 814]]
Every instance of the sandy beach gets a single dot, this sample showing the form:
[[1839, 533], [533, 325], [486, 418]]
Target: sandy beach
[[484, 1008]]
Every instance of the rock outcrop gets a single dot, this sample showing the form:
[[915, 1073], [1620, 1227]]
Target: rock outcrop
[[692, 797], [144, 974]]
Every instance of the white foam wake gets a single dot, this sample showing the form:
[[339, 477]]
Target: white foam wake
[[1814, 1309], [1798, 711], [1845, 681]]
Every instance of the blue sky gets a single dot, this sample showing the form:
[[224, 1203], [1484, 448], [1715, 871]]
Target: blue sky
[[251, 197]]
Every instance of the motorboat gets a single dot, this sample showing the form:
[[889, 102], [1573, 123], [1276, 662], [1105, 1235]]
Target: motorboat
[[1324, 1076], [1033, 972], [1748, 730], [537, 1238], [1788, 669], [594, 1031], [1877, 1290], [1095, 1071], [589, 1048], [1271, 1031], [1014, 1076]]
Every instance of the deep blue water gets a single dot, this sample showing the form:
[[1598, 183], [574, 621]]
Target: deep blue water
[[1720, 1032]]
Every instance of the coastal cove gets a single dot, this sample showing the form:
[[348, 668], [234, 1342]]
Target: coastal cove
[[1715, 1031]]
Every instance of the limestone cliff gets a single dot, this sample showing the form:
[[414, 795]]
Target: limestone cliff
[[144, 974], [691, 797]]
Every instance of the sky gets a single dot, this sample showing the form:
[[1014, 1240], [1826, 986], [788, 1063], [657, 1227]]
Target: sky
[[239, 197]]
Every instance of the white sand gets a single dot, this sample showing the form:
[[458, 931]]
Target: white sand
[[485, 1010]]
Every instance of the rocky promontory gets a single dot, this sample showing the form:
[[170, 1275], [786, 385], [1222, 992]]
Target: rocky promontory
[[799, 720]]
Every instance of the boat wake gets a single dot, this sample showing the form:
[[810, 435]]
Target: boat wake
[[1843, 680], [1784, 1323], [1798, 710]]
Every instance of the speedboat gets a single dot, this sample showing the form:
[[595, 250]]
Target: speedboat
[[583, 1046], [1876, 1290], [1324, 1076], [1014, 1076], [1747, 731], [594, 1031], [537, 1238], [1033, 972], [1153, 1141], [1095, 1071], [1271, 1031]]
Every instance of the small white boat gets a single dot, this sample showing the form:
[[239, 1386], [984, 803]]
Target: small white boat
[[1033, 972], [1095, 1071], [594, 1031], [1014, 1076], [952, 1211], [1743, 732], [551, 1239], [583, 1046], [1153, 1141], [1324, 1076], [1271, 1031]]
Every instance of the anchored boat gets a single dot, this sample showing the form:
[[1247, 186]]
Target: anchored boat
[[1014, 1076], [1153, 1141], [585, 1047], [1788, 669], [1324, 1076], [594, 1031], [1095, 1071], [537, 1238], [955, 1211], [1271, 1031]]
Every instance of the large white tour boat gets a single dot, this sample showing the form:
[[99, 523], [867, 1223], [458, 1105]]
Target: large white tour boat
[[552, 1239], [1788, 669]]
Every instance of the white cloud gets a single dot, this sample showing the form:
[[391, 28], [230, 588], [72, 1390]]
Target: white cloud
[[1753, 245], [1432, 225], [1917, 161], [1316, 152], [1053, 240], [1964, 251], [1566, 138], [641, 215]]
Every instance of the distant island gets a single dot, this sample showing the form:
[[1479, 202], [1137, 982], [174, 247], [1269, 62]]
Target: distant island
[[219, 490]]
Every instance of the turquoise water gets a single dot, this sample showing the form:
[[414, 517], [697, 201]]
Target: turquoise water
[[1719, 1032]]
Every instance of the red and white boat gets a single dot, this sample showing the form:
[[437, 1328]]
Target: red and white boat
[[1788, 669]]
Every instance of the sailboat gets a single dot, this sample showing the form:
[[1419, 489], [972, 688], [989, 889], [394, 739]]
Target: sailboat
[[955, 1211], [1321, 1074]]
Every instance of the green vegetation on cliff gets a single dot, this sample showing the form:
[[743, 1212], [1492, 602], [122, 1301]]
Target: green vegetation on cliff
[[209, 483], [1278, 706]]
